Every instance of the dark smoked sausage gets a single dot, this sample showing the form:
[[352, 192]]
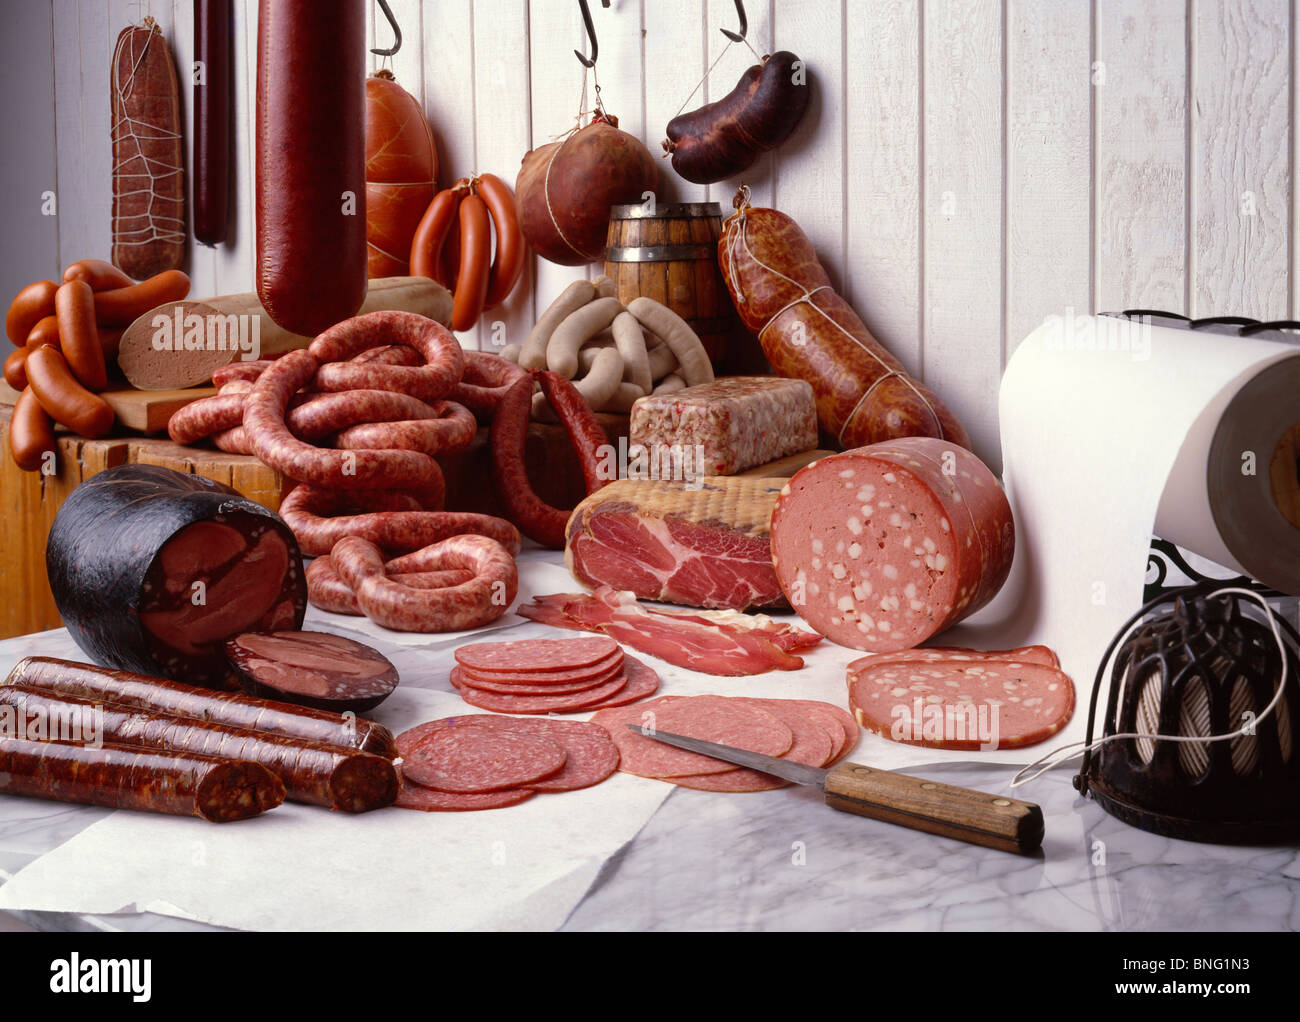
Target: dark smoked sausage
[[722, 139], [312, 772], [211, 170], [232, 709], [153, 569], [120, 777]]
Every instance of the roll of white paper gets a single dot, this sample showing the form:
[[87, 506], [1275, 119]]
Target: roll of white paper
[[1113, 430]]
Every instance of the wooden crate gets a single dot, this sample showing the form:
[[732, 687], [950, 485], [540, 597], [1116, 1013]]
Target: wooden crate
[[29, 501]]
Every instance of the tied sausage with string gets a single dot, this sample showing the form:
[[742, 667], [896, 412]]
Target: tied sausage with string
[[148, 155], [808, 332]]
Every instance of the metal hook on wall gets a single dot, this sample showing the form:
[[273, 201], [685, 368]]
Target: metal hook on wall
[[397, 32], [744, 25], [591, 33]]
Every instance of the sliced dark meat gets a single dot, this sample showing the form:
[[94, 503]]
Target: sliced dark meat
[[316, 669]]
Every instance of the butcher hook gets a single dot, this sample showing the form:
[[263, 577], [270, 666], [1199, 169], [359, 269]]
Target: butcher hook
[[591, 33], [397, 32], [744, 25]]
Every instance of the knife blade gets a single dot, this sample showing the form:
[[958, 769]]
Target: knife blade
[[979, 817]]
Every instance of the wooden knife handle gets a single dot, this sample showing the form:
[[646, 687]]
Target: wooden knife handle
[[976, 816]]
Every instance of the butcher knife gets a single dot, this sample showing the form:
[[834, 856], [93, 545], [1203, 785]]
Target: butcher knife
[[976, 816]]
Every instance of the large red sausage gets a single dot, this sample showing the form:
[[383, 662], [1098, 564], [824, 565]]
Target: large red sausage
[[120, 777], [314, 773], [809, 332], [882, 547], [311, 162], [233, 709]]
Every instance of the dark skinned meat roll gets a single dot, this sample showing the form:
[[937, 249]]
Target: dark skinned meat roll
[[153, 569]]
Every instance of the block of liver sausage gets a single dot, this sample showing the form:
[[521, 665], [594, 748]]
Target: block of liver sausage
[[725, 427], [882, 547]]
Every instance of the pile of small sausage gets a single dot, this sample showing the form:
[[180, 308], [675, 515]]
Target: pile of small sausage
[[613, 354], [384, 394], [66, 336]]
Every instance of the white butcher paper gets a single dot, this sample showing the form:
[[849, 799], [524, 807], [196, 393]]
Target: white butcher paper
[[306, 868]]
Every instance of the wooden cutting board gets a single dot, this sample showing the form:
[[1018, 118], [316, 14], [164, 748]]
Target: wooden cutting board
[[144, 411]]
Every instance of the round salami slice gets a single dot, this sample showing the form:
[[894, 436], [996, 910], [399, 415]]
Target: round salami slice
[[642, 683], [409, 739], [852, 730], [573, 702], [524, 685], [477, 759], [429, 800], [812, 746], [710, 718], [966, 705], [592, 754], [608, 667], [840, 725], [529, 655], [882, 547]]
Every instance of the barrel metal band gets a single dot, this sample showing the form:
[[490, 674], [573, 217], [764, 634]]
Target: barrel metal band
[[660, 253], [642, 211]]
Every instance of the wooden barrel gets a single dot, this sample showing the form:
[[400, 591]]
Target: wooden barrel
[[670, 254]]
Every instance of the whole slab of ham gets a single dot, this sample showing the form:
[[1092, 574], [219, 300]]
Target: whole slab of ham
[[699, 544]]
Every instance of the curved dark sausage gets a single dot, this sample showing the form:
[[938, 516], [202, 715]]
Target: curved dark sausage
[[723, 138]]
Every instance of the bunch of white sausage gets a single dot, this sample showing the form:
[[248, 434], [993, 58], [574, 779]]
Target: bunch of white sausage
[[613, 354]]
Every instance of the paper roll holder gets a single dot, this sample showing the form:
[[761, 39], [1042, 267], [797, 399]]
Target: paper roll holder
[[1195, 666]]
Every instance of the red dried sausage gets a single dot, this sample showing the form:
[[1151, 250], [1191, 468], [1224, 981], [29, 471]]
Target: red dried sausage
[[121, 777], [233, 709], [313, 773]]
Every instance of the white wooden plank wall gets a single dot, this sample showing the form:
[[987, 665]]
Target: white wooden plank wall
[[966, 167]]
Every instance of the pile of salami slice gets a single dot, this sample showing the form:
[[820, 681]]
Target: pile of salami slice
[[485, 761], [963, 699], [800, 730], [550, 675]]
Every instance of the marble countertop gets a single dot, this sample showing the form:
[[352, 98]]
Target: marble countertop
[[782, 860]]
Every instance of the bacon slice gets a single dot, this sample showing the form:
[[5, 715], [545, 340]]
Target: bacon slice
[[724, 643]]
